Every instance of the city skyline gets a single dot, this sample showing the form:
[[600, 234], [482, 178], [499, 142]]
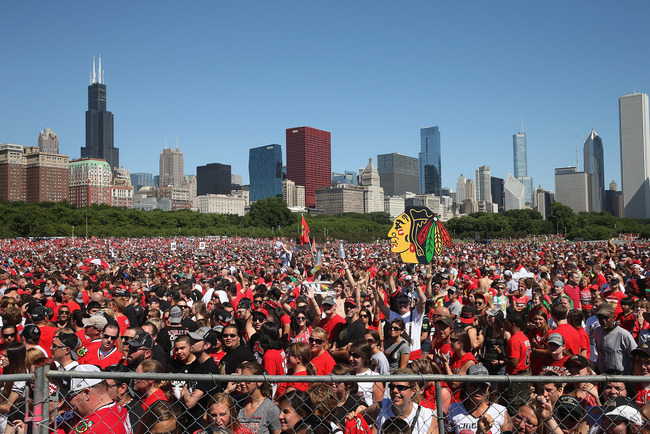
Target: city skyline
[[202, 82]]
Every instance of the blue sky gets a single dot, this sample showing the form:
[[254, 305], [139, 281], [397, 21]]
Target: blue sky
[[224, 77]]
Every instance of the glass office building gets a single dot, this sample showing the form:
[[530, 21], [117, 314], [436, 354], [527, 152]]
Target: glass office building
[[265, 172], [430, 167]]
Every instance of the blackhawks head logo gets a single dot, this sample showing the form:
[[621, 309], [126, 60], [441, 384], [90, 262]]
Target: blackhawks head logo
[[82, 351]]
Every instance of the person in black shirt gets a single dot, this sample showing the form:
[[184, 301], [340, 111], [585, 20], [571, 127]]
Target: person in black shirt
[[236, 353], [195, 395], [353, 330]]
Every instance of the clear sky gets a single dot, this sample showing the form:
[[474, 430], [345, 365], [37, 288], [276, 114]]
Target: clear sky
[[226, 76]]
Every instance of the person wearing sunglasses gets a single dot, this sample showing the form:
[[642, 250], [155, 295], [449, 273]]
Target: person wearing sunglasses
[[320, 357], [461, 359], [404, 403], [360, 359], [9, 334], [298, 363], [398, 350], [300, 326], [373, 338], [474, 412], [236, 354], [107, 353]]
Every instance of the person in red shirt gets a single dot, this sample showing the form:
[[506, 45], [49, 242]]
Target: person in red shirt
[[149, 390], [333, 321], [571, 336], [38, 314], [626, 317], [614, 295], [555, 356], [320, 357], [576, 318], [99, 413], [518, 352], [572, 288], [106, 354]]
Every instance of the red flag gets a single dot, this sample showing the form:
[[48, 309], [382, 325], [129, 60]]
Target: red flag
[[304, 232]]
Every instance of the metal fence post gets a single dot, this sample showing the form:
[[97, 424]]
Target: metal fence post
[[41, 417], [439, 414]]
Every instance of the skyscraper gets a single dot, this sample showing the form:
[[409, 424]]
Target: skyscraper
[[309, 160], [595, 170], [172, 168], [265, 172], [141, 179], [572, 189], [48, 141], [99, 122], [519, 154], [213, 178], [497, 192], [635, 154], [483, 185], [398, 174], [430, 167]]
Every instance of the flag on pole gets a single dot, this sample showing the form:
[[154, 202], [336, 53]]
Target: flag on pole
[[304, 232]]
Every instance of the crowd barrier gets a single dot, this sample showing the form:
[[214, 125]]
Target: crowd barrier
[[42, 406]]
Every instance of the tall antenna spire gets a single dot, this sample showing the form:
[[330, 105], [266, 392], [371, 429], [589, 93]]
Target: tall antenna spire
[[100, 69], [94, 76], [577, 155]]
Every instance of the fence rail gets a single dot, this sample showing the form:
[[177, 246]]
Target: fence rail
[[42, 398]]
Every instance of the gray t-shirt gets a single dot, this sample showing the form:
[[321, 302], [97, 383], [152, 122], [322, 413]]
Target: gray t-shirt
[[383, 367], [614, 349], [394, 353], [264, 420]]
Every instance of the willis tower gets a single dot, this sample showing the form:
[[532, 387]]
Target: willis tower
[[99, 122]]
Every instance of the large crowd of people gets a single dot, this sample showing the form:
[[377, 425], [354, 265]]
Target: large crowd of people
[[236, 306]]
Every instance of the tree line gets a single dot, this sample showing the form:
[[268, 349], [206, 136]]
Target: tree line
[[271, 218]]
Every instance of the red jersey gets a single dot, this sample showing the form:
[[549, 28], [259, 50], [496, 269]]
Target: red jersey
[[445, 351], [548, 364], [47, 336], [584, 341], [614, 299], [626, 321], [642, 395], [111, 418], [324, 363], [572, 340], [157, 395], [282, 388], [574, 293], [123, 322], [218, 356], [95, 357], [275, 362], [518, 347], [332, 326]]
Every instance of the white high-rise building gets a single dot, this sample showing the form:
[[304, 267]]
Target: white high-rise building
[[515, 193], [374, 193], [460, 189], [635, 154]]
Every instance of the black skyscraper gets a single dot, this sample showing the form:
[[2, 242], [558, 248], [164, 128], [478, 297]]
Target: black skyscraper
[[213, 178], [99, 123]]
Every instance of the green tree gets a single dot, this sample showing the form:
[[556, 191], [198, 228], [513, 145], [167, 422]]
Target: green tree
[[270, 213], [567, 220]]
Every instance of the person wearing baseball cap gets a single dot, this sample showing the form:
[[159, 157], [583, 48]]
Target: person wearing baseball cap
[[478, 402], [614, 341], [89, 399], [332, 321], [94, 327], [555, 357], [195, 395], [138, 349], [353, 330], [66, 349]]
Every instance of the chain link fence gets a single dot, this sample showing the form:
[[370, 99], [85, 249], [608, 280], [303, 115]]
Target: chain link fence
[[85, 402]]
